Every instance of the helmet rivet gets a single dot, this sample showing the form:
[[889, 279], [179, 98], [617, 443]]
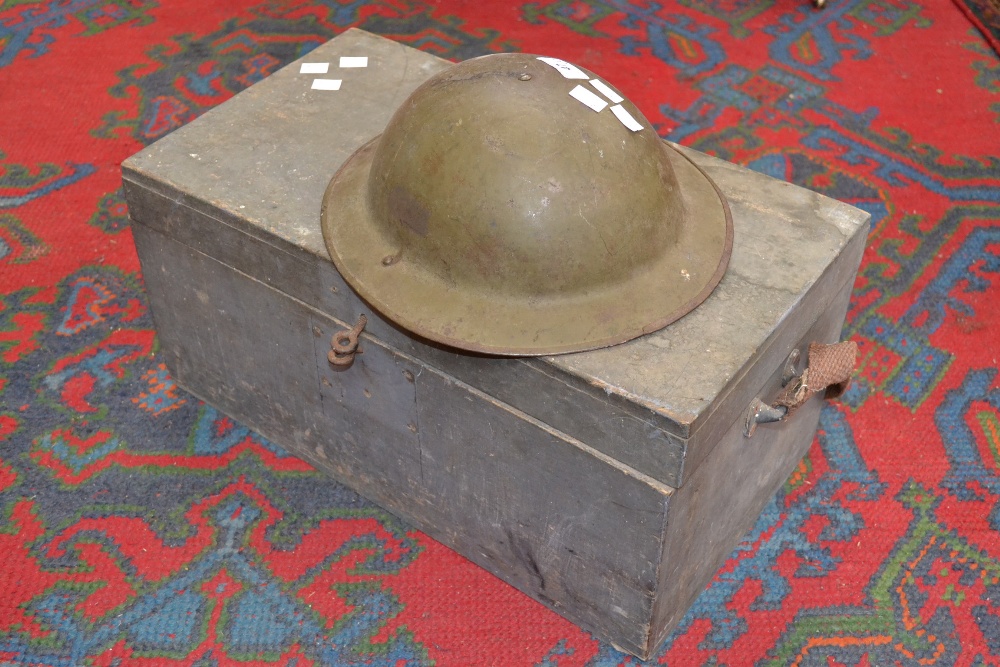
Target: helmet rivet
[[525, 77], [389, 260]]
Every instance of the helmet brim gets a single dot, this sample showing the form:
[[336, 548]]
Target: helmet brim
[[428, 305]]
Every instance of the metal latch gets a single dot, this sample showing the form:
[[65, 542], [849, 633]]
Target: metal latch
[[344, 346]]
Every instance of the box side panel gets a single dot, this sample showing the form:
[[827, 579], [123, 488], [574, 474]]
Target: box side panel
[[816, 303], [558, 520], [788, 255], [721, 501]]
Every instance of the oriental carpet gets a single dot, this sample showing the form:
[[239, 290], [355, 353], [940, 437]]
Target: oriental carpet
[[138, 526]]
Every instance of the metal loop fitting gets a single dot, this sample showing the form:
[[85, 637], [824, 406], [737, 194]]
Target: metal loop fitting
[[829, 370], [760, 412], [344, 345]]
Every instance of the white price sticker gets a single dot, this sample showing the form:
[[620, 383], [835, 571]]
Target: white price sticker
[[605, 89], [326, 84], [568, 70], [354, 61], [590, 99], [626, 118], [314, 68]]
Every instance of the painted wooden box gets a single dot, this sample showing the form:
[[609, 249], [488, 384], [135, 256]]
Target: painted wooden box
[[609, 485]]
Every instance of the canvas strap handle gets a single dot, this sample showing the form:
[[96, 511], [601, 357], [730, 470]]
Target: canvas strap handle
[[829, 370]]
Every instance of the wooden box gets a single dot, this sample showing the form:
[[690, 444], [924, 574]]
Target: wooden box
[[609, 485]]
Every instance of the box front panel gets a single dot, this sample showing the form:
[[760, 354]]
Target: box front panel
[[558, 520]]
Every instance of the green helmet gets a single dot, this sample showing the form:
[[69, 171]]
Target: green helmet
[[501, 212]]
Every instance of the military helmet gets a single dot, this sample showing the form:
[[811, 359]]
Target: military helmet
[[519, 205]]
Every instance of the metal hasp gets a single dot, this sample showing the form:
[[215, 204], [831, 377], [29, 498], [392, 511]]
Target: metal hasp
[[498, 213], [344, 346]]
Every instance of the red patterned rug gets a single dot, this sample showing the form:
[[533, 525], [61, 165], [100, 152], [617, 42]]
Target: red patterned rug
[[138, 526]]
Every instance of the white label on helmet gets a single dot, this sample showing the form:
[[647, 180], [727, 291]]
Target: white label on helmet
[[626, 118], [314, 68], [605, 89], [326, 84], [568, 70], [590, 99], [354, 61]]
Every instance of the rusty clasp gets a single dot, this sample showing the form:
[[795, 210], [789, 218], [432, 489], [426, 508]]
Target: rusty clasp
[[344, 345]]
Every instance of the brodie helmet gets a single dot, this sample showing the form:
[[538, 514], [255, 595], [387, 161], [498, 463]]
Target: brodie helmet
[[505, 211]]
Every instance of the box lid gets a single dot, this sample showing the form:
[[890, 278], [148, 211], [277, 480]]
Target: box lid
[[244, 184]]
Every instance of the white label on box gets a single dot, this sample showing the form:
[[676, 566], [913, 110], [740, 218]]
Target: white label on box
[[590, 99], [314, 68], [354, 61], [605, 89], [568, 70], [326, 84]]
